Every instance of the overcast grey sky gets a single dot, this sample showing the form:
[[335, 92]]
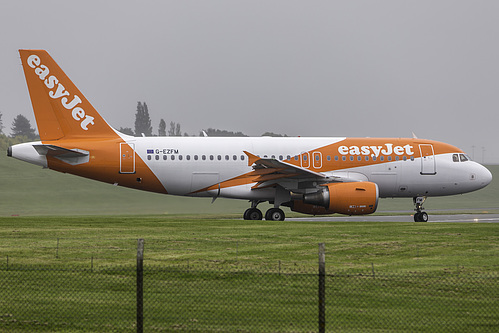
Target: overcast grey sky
[[309, 68]]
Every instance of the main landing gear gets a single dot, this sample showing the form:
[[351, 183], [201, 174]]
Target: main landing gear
[[273, 214], [420, 215]]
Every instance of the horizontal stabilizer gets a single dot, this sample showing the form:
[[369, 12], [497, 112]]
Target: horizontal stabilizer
[[70, 156], [55, 151]]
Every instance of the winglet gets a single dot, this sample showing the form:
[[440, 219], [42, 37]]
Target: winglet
[[252, 159]]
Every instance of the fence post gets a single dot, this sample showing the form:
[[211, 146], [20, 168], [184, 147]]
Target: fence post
[[140, 285], [322, 287]]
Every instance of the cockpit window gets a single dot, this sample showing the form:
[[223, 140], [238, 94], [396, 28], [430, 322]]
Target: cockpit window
[[463, 157], [455, 158]]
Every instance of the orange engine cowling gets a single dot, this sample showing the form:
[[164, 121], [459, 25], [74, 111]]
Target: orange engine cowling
[[355, 198]]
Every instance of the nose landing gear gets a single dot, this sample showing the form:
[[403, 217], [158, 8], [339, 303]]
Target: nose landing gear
[[420, 215]]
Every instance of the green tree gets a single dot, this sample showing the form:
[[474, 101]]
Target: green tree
[[142, 120], [273, 134], [126, 130], [1, 123], [21, 126], [162, 127], [174, 129], [217, 132]]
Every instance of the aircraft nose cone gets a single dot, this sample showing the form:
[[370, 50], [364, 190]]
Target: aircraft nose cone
[[485, 176]]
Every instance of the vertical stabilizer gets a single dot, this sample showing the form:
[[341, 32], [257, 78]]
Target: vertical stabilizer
[[61, 110]]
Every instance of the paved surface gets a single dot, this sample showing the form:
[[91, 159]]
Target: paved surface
[[458, 218]]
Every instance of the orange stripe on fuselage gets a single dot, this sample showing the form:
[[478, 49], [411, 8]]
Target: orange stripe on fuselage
[[104, 165], [352, 153]]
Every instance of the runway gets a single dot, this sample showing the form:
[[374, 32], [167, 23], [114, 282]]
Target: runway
[[457, 218]]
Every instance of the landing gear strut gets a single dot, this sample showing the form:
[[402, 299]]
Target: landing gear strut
[[420, 215], [273, 214]]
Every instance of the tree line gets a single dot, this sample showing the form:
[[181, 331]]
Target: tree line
[[143, 127], [21, 130]]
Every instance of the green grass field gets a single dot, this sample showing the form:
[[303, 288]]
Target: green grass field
[[76, 274], [231, 242]]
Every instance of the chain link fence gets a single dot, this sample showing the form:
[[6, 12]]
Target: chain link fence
[[208, 297]]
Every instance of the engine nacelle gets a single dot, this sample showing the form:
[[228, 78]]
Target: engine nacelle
[[355, 198]]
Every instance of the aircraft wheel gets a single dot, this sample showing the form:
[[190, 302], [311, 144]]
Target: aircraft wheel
[[421, 217], [424, 217], [275, 214], [253, 214]]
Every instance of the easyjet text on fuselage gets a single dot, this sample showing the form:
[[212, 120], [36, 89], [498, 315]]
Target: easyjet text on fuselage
[[386, 149]]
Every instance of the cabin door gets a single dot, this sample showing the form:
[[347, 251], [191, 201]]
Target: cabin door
[[428, 164]]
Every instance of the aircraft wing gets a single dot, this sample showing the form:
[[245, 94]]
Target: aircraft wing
[[270, 171], [272, 165]]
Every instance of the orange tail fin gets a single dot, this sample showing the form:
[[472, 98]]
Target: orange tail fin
[[61, 110]]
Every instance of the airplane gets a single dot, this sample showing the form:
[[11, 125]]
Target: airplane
[[322, 175]]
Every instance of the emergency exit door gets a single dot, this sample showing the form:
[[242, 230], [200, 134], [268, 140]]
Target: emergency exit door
[[127, 157]]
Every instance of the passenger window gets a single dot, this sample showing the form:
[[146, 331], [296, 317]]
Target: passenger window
[[234, 157], [173, 158], [188, 157], [455, 158], [212, 157], [219, 157], [195, 157], [226, 157], [165, 157], [157, 157], [242, 157], [180, 157]]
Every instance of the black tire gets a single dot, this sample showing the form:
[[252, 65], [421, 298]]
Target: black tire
[[424, 217], [275, 214], [417, 217], [253, 214]]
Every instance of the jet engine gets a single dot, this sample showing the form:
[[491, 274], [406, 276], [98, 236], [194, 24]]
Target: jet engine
[[355, 198]]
